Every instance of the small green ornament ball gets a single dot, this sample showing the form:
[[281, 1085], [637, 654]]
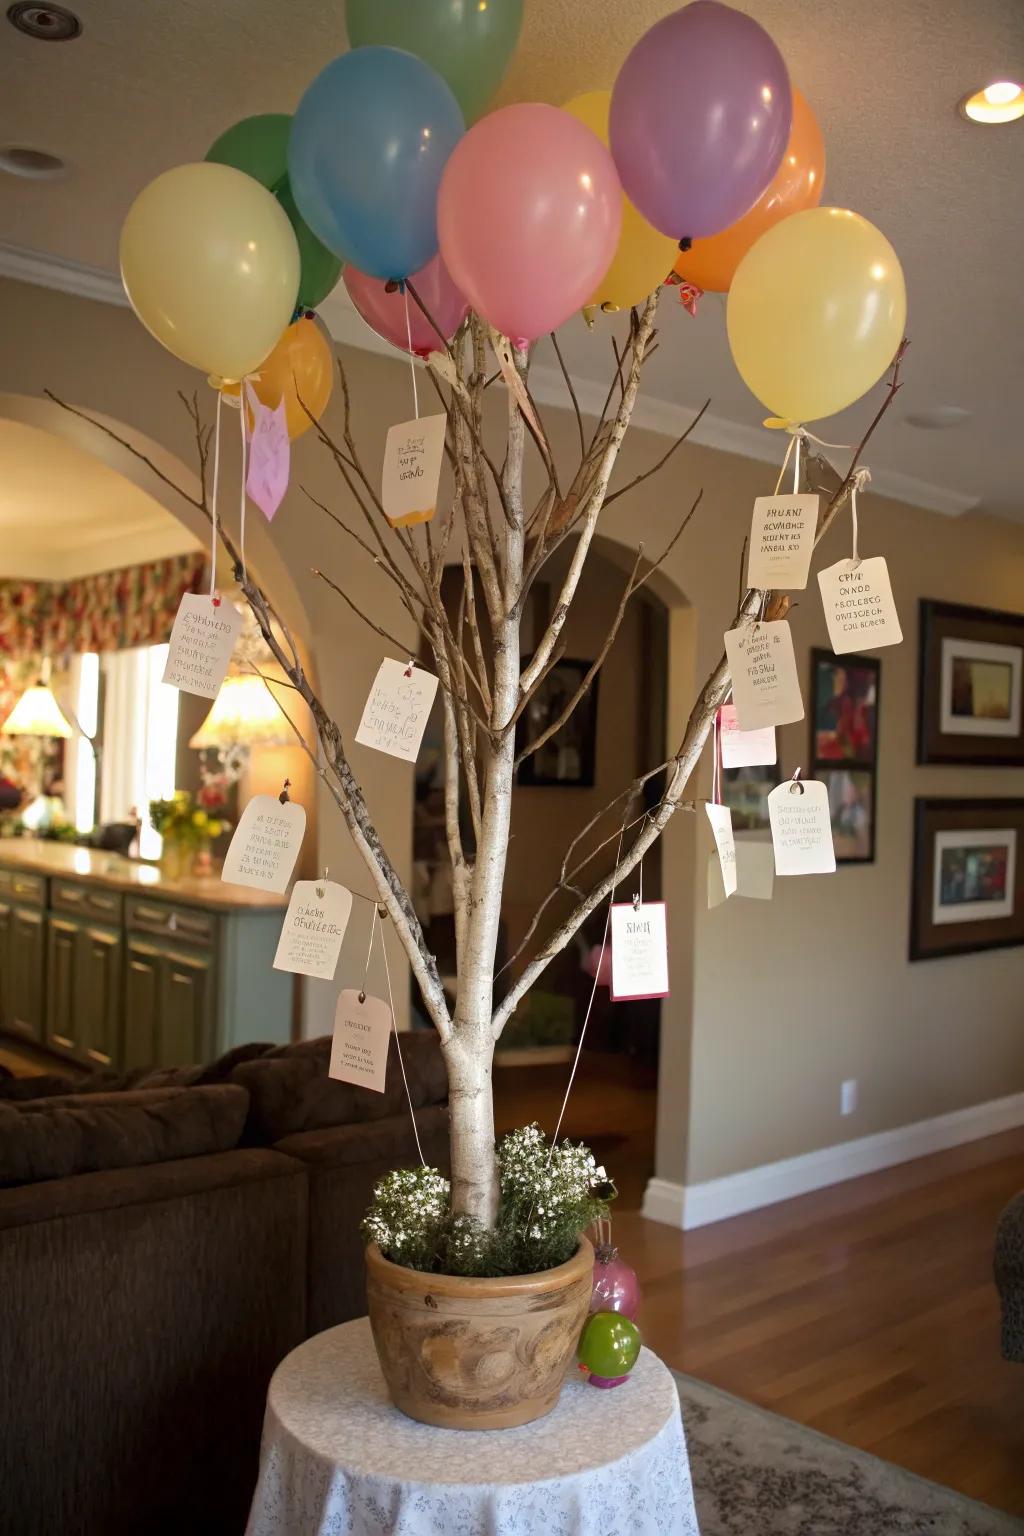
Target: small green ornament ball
[[609, 1344]]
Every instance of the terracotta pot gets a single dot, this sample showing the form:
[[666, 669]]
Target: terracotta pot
[[477, 1354]]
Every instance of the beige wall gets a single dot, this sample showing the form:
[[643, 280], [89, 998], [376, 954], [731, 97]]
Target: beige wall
[[772, 1004]]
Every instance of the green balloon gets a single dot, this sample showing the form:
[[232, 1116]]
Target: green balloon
[[258, 146], [468, 42], [609, 1344], [320, 267]]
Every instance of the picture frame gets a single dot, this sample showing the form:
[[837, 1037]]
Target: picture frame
[[967, 891], [567, 761], [844, 714], [745, 791], [851, 800], [970, 686]]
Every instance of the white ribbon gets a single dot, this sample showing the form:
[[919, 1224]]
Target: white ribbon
[[213, 508], [412, 360], [861, 477]]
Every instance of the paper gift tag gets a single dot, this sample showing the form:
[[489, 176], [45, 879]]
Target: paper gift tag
[[412, 470], [755, 873], [202, 640], [639, 951], [269, 455], [314, 927], [720, 818], [765, 686], [395, 714], [744, 749], [859, 607], [781, 542], [359, 1049], [801, 828], [265, 844]]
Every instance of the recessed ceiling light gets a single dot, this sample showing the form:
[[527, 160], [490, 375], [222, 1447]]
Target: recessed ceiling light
[[1000, 102], [939, 417], [32, 164], [46, 23]]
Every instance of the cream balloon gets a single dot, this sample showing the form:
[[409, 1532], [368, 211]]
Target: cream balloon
[[210, 264], [816, 313]]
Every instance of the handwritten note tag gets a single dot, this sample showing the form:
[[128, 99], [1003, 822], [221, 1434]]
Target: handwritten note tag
[[639, 951], [314, 927], [269, 455], [359, 1050], [801, 828], [412, 470], [720, 818], [765, 686], [395, 714], [265, 845], [860, 610], [744, 749], [202, 640], [782, 542]]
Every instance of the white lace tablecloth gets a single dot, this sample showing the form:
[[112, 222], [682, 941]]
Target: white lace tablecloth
[[339, 1460]]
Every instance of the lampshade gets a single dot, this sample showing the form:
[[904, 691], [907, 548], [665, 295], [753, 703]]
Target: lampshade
[[36, 713], [244, 714]]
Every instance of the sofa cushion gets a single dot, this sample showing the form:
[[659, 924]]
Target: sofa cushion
[[53, 1138]]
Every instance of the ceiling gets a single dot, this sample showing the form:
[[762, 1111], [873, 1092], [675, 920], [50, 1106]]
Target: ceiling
[[64, 513], [148, 86]]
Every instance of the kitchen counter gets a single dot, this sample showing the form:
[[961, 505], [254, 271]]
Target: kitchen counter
[[114, 871]]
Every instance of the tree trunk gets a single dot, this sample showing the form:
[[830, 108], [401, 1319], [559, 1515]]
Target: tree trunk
[[468, 1056]]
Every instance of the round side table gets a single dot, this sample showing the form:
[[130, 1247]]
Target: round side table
[[339, 1460]]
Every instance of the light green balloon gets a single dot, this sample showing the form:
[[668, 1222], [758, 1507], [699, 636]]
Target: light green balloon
[[468, 42]]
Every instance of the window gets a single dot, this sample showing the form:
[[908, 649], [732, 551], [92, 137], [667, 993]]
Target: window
[[139, 738]]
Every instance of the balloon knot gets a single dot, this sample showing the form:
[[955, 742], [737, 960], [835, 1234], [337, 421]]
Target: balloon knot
[[686, 243]]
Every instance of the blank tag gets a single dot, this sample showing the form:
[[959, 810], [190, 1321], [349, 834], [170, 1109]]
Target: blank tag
[[639, 951], [860, 610], [720, 818], [744, 749], [755, 873], [202, 640], [314, 927], [765, 686], [412, 470], [266, 844], [782, 542], [801, 828], [359, 1050], [395, 714]]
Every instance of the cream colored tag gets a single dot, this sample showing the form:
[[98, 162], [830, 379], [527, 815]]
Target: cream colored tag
[[359, 1049], [265, 844], [395, 714], [765, 686], [720, 818], [744, 749], [202, 640], [314, 927], [801, 828], [782, 542], [639, 951], [755, 873], [412, 470], [860, 610]]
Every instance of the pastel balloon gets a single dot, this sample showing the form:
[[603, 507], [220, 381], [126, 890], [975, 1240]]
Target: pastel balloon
[[385, 312], [798, 183], [644, 256], [816, 313], [299, 371], [367, 150], [469, 44], [210, 265], [529, 215], [700, 116]]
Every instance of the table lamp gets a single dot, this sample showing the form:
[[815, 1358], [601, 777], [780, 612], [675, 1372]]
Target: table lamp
[[245, 714], [37, 714]]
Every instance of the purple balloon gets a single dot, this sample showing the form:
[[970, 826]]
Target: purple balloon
[[385, 312], [700, 117]]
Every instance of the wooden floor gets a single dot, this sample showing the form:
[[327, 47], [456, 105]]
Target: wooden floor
[[866, 1311]]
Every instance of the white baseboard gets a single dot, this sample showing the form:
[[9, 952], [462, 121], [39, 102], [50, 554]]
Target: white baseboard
[[696, 1205]]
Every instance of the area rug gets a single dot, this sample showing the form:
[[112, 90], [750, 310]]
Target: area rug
[[756, 1474]]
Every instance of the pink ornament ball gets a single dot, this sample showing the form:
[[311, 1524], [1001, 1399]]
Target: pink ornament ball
[[616, 1287]]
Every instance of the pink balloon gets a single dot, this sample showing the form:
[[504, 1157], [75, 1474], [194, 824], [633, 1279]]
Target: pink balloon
[[616, 1286], [385, 312], [528, 217]]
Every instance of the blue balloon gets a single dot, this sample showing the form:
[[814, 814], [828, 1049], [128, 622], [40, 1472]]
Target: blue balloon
[[368, 145]]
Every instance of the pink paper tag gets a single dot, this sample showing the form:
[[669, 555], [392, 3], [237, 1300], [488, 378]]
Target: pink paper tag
[[269, 456]]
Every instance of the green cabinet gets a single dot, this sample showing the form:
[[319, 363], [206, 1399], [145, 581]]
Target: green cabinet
[[83, 989], [169, 1005], [24, 990]]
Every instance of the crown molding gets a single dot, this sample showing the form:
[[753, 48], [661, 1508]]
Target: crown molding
[[664, 417]]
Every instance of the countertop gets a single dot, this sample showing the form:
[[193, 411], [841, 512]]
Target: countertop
[[121, 874]]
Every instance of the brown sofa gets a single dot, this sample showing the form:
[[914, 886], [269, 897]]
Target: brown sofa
[[164, 1241]]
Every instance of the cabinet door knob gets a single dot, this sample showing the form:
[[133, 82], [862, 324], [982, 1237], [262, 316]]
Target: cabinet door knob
[[172, 923]]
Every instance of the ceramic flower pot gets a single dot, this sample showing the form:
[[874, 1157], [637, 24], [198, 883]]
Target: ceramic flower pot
[[466, 1353]]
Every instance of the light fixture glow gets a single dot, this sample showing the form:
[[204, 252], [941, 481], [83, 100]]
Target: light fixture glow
[[1000, 102], [37, 713], [244, 714]]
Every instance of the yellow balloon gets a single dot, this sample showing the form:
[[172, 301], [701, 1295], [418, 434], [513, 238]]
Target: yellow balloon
[[644, 256], [210, 264], [816, 313]]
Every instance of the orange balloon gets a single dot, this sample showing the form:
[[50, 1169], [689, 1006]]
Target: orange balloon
[[798, 183], [300, 368]]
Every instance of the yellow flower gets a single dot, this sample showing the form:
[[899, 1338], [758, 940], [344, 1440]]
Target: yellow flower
[[199, 819], [215, 829]]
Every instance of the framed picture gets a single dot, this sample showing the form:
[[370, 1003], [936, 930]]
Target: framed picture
[[971, 686], [745, 791], [851, 800], [968, 889], [844, 709], [567, 758]]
